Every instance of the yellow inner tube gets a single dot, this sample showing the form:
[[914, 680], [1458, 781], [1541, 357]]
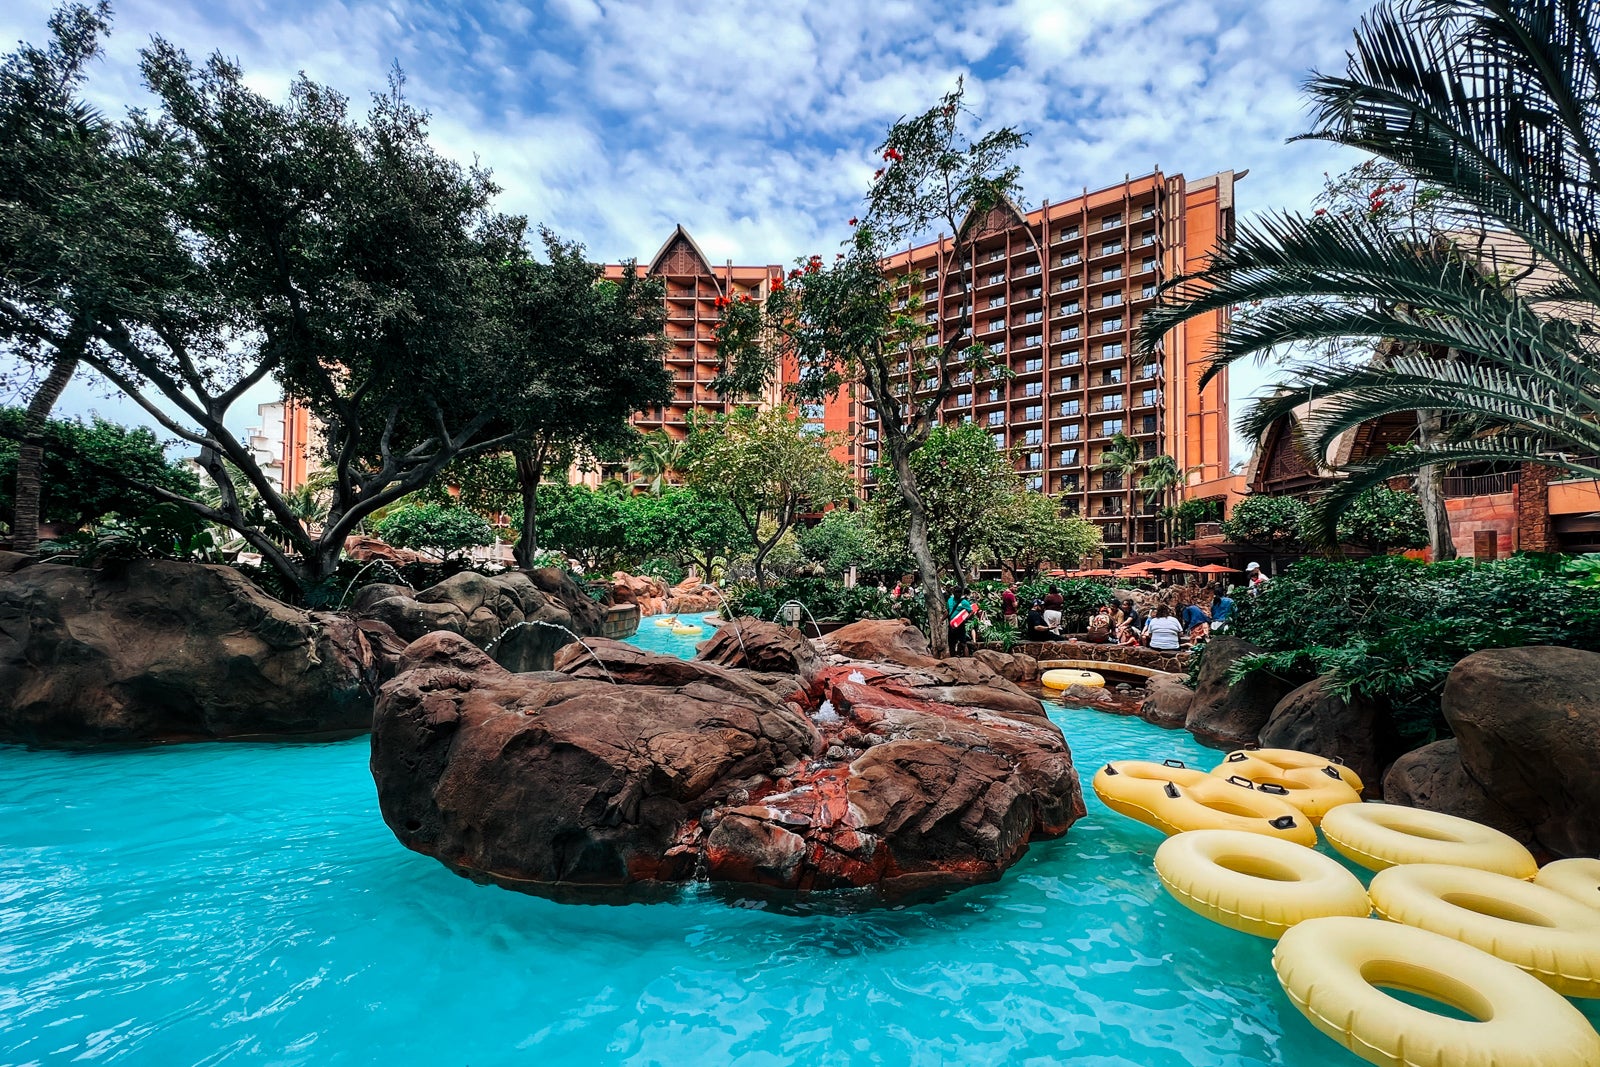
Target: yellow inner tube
[[1575, 878], [1062, 678], [1379, 836], [1229, 804], [1336, 971], [1256, 885], [1312, 791], [670, 620], [686, 629], [1252, 761], [1136, 788], [1551, 936]]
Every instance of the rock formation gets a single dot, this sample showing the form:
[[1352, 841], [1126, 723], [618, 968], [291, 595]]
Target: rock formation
[[151, 650], [625, 772], [1230, 715], [1315, 718]]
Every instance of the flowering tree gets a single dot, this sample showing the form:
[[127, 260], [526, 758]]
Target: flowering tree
[[839, 322]]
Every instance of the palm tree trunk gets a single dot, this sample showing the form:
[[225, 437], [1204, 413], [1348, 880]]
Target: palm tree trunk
[[1430, 491], [530, 472], [30, 454]]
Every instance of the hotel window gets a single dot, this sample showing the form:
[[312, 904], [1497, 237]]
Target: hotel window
[[994, 394], [1111, 402], [1111, 350], [1148, 265], [1035, 461], [930, 274], [1033, 412], [1036, 483], [997, 301], [963, 400], [1033, 316], [1070, 258], [1147, 212], [1033, 389], [1110, 427], [998, 253], [1111, 376], [1150, 370], [997, 277], [813, 411], [1068, 483], [1147, 424], [872, 455], [1148, 237], [1035, 293], [1030, 270], [1071, 307], [1111, 274], [1070, 359], [963, 377], [1032, 364], [902, 302], [1033, 340], [1149, 449], [1067, 234], [1111, 222], [997, 418], [1068, 333], [998, 348], [1108, 300], [1067, 457], [932, 316], [1148, 291], [1111, 325], [1110, 248], [1071, 433], [999, 439], [966, 264], [929, 383], [1032, 437], [1067, 383], [1149, 397], [1069, 407], [1071, 283], [966, 420], [997, 324], [872, 435]]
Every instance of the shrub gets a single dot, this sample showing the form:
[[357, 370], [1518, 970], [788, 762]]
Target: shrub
[[1275, 521], [438, 530]]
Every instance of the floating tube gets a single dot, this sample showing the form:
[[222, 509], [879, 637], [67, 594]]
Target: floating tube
[[1576, 878], [1232, 804], [1379, 836], [1248, 762], [687, 629], [1547, 934], [1062, 678], [1256, 885], [1336, 971], [670, 620], [1136, 788], [1313, 791]]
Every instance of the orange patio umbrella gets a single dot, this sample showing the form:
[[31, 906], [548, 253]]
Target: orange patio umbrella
[[1217, 568]]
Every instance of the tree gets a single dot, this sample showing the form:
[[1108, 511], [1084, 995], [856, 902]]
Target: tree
[[89, 470], [1382, 518], [687, 527], [589, 354], [1187, 513], [1268, 521], [437, 530], [589, 525], [343, 257], [657, 457], [1031, 530], [1121, 458], [847, 538], [839, 323], [1488, 105], [1158, 480], [769, 470]]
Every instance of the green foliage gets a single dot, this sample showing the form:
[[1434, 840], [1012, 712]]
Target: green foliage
[[1584, 570], [156, 531], [1269, 521], [1382, 518], [485, 483], [91, 470], [965, 483], [437, 530], [596, 528], [1028, 530], [1390, 628], [685, 527], [845, 539], [1188, 513], [826, 600]]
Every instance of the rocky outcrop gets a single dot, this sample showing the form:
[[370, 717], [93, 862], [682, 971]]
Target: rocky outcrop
[[1166, 703], [1230, 715], [760, 646], [649, 593], [15, 561], [1315, 718], [1527, 745], [152, 650], [1012, 666], [880, 641], [625, 772], [692, 597], [520, 617]]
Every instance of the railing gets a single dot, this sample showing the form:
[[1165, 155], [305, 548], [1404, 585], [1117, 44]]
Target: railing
[[1460, 485]]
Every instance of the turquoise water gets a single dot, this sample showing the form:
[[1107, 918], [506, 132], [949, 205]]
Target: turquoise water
[[245, 904]]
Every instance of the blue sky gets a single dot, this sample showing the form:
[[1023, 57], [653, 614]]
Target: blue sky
[[752, 124]]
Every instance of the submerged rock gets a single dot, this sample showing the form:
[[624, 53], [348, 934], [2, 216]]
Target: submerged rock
[[151, 650], [624, 773]]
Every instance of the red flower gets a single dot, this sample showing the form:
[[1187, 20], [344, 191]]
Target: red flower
[[893, 154], [877, 174], [794, 273], [1322, 211], [853, 220], [1377, 205], [777, 284], [744, 299], [722, 301]]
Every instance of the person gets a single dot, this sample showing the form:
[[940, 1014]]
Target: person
[[1054, 603], [1136, 617], [960, 614], [1192, 616], [1255, 579], [1099, 625], [1008, 604], [1034, 627], [1162, 632], [1222, 606]]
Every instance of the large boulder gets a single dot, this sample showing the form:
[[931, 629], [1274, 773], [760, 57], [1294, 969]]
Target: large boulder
[[1316, 718], [1527, 721], [624, 772], [520, 617], [1167, 701], [1229, 715], [880, 641], [1012, 666], [1432, 777], [153, 650], [760, 646]]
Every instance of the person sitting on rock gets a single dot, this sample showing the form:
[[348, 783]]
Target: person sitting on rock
[[1100, 625], [1034, 626], [1163, 633], [1196, 623]]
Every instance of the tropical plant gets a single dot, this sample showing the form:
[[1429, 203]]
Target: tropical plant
[[1122, 459], [1489, 105], [840, 322], [1159, 478], [1184, 516], [1028, 530], [437, 530], [1277, 522], [657, 457], [1382, 518]]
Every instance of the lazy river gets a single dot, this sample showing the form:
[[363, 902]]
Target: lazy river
[[245, 904]]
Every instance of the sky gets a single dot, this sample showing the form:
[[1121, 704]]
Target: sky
[[753, 124]]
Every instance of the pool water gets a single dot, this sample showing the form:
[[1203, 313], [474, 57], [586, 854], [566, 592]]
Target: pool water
[[245, 904]]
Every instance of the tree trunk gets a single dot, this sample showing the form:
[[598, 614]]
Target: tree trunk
[[530, 472], [760, 563], [1430, 490], [30, 454]]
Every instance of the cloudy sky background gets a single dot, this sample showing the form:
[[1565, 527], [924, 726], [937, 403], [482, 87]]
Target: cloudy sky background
[[752, 124]]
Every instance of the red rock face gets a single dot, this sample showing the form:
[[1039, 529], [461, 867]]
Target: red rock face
[[856, 775]]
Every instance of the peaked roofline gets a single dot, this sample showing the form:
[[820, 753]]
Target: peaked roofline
[[677, 232]]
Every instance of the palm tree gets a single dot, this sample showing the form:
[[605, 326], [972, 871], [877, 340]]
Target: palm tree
[[1160, 477], [659, 457], [1122, 459], [1489, 104]]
